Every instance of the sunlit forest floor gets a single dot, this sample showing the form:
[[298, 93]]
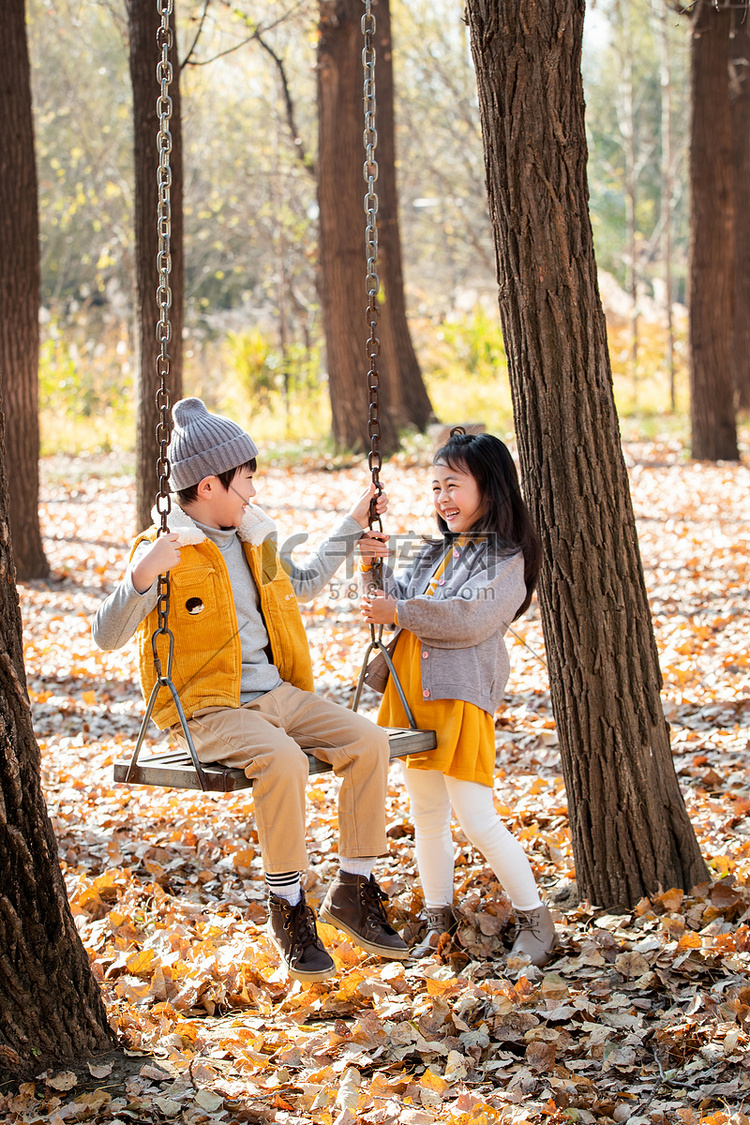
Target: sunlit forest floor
[[643, 1016]]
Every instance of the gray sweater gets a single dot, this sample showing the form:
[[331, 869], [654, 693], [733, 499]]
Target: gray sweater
[[461, 626], [120, 615]]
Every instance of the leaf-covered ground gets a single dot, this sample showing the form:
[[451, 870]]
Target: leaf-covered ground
[[643, 1017]]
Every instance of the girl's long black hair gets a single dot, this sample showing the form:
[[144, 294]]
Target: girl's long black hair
[[506, 519]]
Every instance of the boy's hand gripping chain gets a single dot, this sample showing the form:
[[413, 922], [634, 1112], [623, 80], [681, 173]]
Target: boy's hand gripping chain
[[375, 459], [164, 334]]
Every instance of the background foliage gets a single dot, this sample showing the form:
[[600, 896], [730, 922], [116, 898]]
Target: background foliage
[[253, 331]]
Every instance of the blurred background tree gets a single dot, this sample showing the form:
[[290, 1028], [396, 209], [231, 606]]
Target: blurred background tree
[[404, 402], [19, 291]]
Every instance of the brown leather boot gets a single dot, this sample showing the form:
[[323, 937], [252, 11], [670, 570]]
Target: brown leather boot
[[292, 930], [535, 936], [439, 920], [354, 905]]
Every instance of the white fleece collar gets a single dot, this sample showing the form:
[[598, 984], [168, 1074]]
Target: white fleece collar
[[255, 528]]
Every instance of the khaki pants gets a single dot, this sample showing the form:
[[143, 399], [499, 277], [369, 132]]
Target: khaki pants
[[266, 737]]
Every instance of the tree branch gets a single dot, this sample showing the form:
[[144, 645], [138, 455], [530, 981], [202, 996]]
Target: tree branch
[[257, 35], [258, 30], [307, 162], [194, 44]]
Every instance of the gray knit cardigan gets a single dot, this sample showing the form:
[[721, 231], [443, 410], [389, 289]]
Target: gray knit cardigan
[[461, 626]]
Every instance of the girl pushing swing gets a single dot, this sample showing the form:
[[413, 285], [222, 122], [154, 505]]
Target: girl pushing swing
[[451, 610]]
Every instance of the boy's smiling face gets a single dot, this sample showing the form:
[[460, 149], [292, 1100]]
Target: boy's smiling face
[[220, 507], [231, 507]]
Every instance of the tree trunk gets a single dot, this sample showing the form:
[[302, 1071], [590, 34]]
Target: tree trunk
[[711, 270], [631, 834], [739, 94], [341, 192], [145, 53], [20, 290], [51, 1011]]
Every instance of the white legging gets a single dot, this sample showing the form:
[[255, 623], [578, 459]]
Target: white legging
[[432, 794]]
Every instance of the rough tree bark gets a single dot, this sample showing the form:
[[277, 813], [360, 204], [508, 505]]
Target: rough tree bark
[[739, 97], [631, 834], [341, 191], [145, 53], [20, 290], [51, 1011], [711, 268]]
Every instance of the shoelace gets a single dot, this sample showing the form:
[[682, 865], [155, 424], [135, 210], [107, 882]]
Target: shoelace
[[300, 922], [373, 899], [435, 919], [526, 921]]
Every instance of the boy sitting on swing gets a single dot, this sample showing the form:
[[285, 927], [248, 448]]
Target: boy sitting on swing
[[244, 676]]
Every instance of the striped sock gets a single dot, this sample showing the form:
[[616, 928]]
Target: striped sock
[[362, 865], [286, 885]]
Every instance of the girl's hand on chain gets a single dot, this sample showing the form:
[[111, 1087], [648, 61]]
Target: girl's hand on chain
[[377, 609], [373, 545]]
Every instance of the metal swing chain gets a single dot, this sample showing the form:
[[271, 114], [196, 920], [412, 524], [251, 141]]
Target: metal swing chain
[[372, 347], [164, 75], [375, 458]]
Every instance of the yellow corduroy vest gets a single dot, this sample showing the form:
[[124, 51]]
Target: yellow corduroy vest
[[206, 669]]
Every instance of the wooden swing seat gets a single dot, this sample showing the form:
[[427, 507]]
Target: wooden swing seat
[[173, 769]]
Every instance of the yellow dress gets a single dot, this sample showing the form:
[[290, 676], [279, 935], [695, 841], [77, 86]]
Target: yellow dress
[[465, 733]]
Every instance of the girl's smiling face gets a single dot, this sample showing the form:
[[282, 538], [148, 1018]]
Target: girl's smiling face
[[457, 498]]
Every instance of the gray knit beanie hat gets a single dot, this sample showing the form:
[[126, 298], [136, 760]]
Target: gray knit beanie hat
[[204, 444]]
